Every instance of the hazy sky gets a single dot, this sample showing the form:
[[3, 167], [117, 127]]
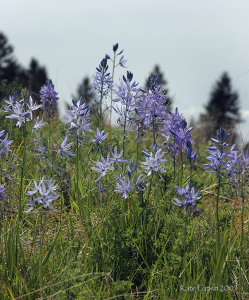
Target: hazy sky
[[193, 41]]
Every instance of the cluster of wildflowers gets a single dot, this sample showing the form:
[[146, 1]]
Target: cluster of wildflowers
[[151, 106], [154, 162], [124, 187], [237, 167], [102, 81], [171, 122], [45, 195], [216, 157], [127, 94], [189, 198], [79, 119], [103, 167], [16, 108], [181, 136], [10, 103], [49, 99]]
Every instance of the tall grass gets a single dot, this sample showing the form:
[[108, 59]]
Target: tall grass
[[98, 245]]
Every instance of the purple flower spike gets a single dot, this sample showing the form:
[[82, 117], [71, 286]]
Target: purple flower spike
[[49, 99]]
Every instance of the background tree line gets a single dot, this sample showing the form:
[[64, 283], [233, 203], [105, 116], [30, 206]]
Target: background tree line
[[221, 110], [13, 76]]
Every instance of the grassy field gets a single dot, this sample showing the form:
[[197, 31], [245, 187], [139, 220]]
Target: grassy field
[[64, 235]]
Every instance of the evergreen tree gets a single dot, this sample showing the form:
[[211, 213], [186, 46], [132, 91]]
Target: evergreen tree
[[161, 81], [37, 77], [8, 66], [222, 109], [14, 75]]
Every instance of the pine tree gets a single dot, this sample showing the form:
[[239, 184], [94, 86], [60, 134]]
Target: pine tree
[[8, 66], [13, 74], [222, 109], [37, 77]]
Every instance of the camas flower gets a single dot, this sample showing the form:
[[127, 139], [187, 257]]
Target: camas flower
[[123, 187], [217, 156], [32, 107], [171, 122], [127, 94], [99, 137], [4, 144], [19, 114], [102, 80], [237, 166], [189, 197], [38, 125], [31, 205], [79, 118], [63, 150], [151, 105], [103, 167], [153, 163], [2, 190], [117, 157], [40, 147], [49, 99], [45, 194]]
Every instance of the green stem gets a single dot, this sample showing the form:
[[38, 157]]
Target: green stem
[[40, 260], [147, 201], [124, 138], [185, 231], [154, 130], [77, 165], [241, 240], [181, 171], [61, 201], [113, 68], [101, 99], [217, 207], [190, 176]]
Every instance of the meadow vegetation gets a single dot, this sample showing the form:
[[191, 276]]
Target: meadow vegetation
[[139, 211]]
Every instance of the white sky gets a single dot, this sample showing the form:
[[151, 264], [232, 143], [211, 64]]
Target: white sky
[[193, 41]]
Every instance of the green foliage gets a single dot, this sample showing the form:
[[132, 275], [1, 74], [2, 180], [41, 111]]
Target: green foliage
[[101, 246], [7, 89]]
